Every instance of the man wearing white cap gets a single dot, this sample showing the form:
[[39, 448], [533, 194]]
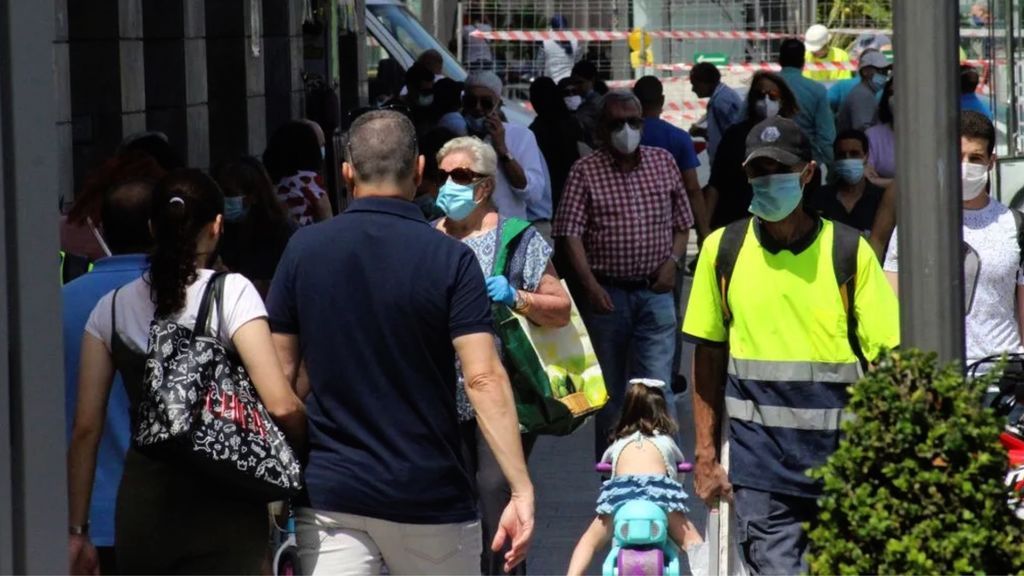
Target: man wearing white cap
[[818, 51], [860, 109], [523, 185]]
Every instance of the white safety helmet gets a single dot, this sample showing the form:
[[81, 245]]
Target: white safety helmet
[[816, 38]]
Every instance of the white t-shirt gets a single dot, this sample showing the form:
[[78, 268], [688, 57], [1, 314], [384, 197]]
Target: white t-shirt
[[557, 62], [991, 323], [135, 310]]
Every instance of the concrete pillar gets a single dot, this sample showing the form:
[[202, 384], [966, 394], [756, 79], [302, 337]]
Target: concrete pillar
[[255, 77], [298, 92], [132, 66], [282, 61], [197, 111], [94, 73], [33, 516], [62, 90], [235, 79], [175, 53]]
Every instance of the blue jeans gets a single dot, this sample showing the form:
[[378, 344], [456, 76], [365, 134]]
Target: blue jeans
[[636, 340], [771, 534]]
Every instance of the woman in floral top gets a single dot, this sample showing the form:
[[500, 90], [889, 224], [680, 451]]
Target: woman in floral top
[[294, 159], [531, 287]]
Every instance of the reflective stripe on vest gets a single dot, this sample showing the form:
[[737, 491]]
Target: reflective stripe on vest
[[818, 419], [787, 371]]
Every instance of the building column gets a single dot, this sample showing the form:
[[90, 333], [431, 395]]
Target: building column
[[284, 91], [255, 77], [133, 67], [65, 190], [33, 516], [197, 110]]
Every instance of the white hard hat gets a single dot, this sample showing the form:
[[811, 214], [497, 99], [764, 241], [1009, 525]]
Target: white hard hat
[[816, 37]]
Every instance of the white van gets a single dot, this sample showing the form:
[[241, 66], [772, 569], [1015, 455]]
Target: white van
[[395, 38]]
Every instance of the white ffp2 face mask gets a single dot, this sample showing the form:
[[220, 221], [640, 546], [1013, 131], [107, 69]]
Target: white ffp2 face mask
[[573, 102], [973, 179], [767, 108], [626, 139]]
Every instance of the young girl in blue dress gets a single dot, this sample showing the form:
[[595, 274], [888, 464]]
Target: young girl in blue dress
[[644, 459]]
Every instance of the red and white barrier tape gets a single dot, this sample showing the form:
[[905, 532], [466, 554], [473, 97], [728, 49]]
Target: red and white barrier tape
[[613, 35], [609, 35], [773, 67]]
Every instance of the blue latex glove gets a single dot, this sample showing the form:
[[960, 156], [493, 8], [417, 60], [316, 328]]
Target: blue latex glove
[[500, 290]]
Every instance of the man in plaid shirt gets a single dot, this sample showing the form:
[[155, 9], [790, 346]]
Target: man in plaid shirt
[[623, 224]]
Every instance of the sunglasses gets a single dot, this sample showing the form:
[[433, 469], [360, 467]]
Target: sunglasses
[[635, 122], [470, 102], [463, 176]]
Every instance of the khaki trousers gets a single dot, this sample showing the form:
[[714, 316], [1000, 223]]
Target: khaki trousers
[[337, 543]]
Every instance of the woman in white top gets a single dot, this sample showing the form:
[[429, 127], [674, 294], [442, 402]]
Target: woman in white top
[[170, 519]]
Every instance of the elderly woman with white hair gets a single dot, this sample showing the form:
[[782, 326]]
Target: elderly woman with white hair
[[528, 285]]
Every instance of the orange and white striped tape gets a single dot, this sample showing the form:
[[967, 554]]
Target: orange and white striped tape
[[773, 67], [612, 35], [609, 35]]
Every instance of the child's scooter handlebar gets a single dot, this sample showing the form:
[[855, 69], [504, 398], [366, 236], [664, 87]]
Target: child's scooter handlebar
[[606, 467]]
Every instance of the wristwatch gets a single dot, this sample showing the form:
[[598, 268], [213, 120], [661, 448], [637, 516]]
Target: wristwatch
[[679, 260], [522, 304], [80, 530]]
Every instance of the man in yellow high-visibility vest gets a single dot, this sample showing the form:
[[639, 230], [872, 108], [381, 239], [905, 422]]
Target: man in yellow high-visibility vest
[[818, 51]]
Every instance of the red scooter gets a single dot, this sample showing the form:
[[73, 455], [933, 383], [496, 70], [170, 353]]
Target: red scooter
[[1008, 402]]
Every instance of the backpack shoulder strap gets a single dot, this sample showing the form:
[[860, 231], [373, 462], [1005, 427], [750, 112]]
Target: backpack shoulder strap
[[725, 260], [1018, 219], [845, 244], [510, 231]]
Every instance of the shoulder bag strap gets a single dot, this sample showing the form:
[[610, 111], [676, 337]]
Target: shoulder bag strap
[[510, 231], [725, 261], [212, 294], [845, 243], [113, 314]]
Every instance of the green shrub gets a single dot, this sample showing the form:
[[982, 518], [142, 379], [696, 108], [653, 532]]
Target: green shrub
[[916, 485]]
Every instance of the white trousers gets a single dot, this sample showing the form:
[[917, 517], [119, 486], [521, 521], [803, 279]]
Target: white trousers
[[341, 544]]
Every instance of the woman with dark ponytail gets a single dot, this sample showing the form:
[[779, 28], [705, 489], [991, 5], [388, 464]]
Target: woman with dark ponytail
[[170, 519]]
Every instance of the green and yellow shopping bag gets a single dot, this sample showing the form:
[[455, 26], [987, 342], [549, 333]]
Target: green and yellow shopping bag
[[555, 375]]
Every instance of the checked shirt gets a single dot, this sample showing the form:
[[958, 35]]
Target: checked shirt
[[626, 220]]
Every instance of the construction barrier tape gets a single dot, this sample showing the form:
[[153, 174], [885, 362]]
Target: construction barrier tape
[[609, 35], [773, 67]]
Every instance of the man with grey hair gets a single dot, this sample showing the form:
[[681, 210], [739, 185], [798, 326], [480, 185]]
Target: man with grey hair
[[623, 223], [382, 304], [523, 187]]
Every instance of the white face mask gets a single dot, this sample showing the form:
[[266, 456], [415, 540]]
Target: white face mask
[[973, 178], [767, 108], [626, 139], [573, 102]]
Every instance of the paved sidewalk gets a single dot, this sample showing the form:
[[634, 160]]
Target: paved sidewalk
[[567, 487]]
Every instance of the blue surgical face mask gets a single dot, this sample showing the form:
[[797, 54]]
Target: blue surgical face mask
[[851, 170], [776, 196], [879, 80], [456, 200], [234, 208]]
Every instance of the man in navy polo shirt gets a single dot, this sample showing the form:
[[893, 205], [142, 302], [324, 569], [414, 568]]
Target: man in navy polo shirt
[[126, 232], [377, 304]]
